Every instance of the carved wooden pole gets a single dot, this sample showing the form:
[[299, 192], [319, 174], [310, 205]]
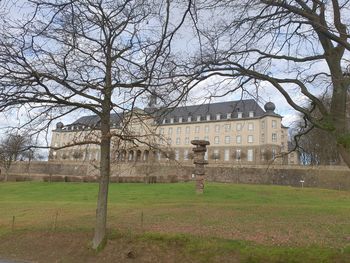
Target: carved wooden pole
[[199, 161]]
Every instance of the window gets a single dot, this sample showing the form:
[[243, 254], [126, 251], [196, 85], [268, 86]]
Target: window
[[274, 124], [206, 138], [188, 129], [169, 141], [238, 139], [262, 124], [273, 153], [178, 130], [239, 127], [196, 138], [198, 118], [238, 154], [164, 121], [161, 131], [239, 115], [228, 116], [263, 138], [196, 129], [250, 126], [227, 127], [217, 128], [216, 155], [262, 154], [250, 155], [178, 141], [250, 138], [185, 155], [189, 118], [171, 120], [177, 155], [170, 131], [208, 117], [227, 139], [187, 140], [206, 128], [251, 114], [180, 119], [226, 155], [218, 116], [274, 137], [216, 140]]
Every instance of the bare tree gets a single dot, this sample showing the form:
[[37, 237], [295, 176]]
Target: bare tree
[[318, 147], [77, 155], [97, 56], [14, 147], [300, 48]]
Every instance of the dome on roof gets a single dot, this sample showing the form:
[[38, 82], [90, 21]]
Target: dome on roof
[[59, 125], [270, 107]]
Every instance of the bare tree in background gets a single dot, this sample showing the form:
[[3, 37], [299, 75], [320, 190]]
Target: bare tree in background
[[316, 146], [300, 48], [100, 56], [14, 147]]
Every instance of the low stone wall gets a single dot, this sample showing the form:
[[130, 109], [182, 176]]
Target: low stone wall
[[331, 177], [322, 178]]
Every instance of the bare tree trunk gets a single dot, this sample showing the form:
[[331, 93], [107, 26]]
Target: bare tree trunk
[[99, 239], [6, 175], [345, 155]]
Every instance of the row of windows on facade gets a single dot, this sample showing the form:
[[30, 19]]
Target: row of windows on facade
[[236, 154], [208, 117], [227, 140], [227, 128]]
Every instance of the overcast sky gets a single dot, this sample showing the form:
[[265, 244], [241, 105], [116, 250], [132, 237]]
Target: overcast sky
[[198, 95]]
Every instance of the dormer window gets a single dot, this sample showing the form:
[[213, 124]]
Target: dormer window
[[189, 118], [218, 116], [198, 118], [208, 117], [251, 114], [180, 119], [228, 116], [171, 120], [164, 121], [239, 115]]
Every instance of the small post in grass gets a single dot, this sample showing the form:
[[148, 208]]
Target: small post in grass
[[13, 223], [302, 183], [199, 162], [142, 221]]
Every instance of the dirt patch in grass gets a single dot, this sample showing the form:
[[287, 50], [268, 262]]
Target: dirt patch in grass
[[74, 247]]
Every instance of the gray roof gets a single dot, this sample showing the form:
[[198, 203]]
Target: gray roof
[[212, 109], [202, 110], [93, 120]]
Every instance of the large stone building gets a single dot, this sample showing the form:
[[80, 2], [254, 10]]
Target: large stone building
[[238, 132]]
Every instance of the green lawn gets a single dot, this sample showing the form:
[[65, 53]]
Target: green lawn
[[256, 223]]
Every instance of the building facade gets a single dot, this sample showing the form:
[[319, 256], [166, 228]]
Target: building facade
[[238, 132]]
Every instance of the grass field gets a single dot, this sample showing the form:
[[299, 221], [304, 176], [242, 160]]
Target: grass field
[[170, 223]]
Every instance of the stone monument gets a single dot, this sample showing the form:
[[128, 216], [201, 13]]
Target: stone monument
[[199, 162]]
